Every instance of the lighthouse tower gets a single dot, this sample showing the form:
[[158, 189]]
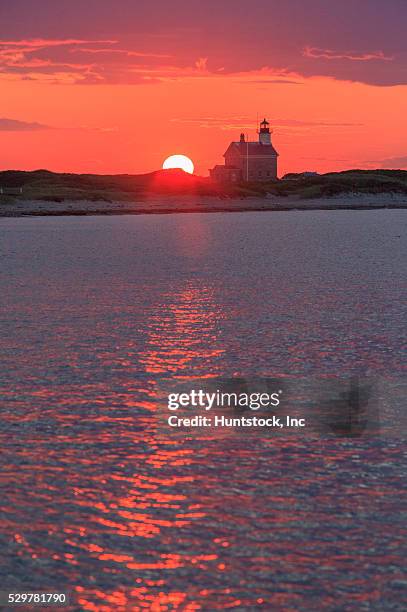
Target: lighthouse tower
[[264, 133]]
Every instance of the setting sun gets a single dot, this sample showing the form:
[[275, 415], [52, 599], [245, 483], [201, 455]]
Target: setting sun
[[179, 161]]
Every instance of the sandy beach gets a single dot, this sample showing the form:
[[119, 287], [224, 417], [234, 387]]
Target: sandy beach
[[159, 204]]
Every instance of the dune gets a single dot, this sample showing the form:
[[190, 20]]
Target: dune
[[43, 192]]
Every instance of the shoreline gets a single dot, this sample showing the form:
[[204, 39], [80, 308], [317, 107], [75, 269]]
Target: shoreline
[[190, 204]]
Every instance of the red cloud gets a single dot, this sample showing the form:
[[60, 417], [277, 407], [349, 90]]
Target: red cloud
[[126, 52], [19, 55], [201, 63], [77, 60], [51, 60], [42, 43], [329, 54]]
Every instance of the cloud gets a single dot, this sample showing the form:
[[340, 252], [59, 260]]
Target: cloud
[[159, 56], [40, 43], [249, 123], [222, 123], [201, 63], [76, 60], [126, 52], [32, 58], [15, 125], [272, 82], [320, 123], [329, 54], [394, 162], [360, 41]]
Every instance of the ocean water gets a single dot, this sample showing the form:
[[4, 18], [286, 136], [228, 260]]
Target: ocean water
[[99, 314]]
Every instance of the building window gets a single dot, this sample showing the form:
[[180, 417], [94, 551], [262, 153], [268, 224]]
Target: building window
[[259, 173]]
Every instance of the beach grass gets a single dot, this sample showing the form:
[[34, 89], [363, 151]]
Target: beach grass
[[61, 187]]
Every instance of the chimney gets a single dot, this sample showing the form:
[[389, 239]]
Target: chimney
[[242, 137]]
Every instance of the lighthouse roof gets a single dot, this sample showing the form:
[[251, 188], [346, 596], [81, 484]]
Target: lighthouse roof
[[254, 149]]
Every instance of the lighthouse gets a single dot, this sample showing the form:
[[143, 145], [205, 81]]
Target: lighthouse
[[249, 160]]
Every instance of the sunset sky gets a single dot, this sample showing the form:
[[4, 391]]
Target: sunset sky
[[111, 87]]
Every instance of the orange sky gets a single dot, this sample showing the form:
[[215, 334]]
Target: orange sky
[[320, 124], [91, 93]]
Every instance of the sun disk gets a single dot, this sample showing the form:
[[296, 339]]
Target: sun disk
[[179, 161]]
